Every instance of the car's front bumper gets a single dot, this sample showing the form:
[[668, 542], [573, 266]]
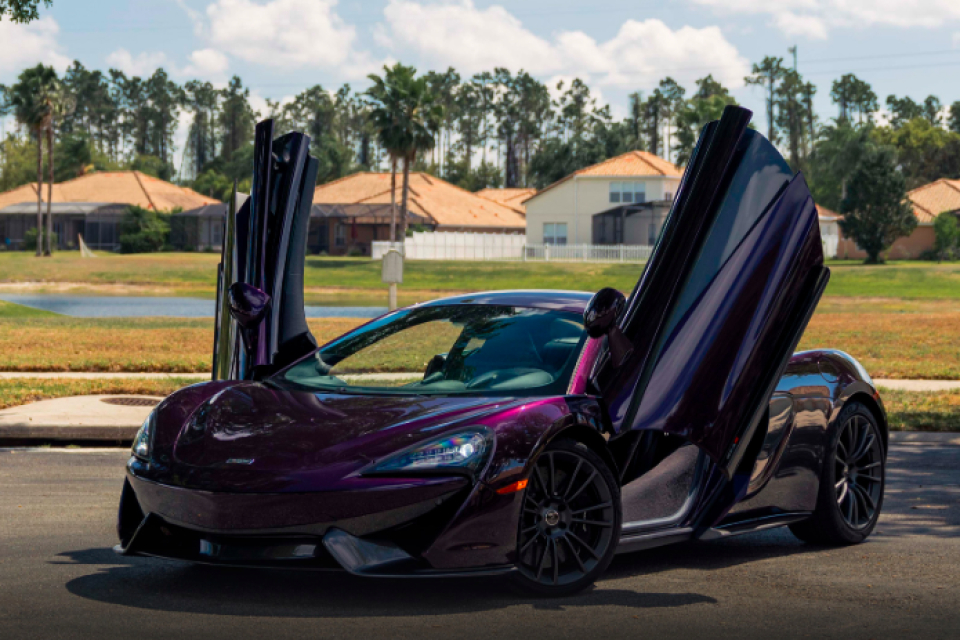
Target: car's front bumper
[[398, 530]]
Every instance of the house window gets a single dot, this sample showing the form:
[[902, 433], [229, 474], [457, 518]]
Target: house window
[[615, 191], [652, 234], [628, 192], [217, 238], [668, 195], [555, 233], [340, 235]]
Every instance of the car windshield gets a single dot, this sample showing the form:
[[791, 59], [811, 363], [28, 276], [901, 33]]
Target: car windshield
[[459, 349]]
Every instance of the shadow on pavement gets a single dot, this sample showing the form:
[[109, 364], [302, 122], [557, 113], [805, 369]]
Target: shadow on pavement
[[162, 585]]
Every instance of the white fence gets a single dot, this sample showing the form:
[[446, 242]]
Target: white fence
[[447, 245], [588, 252], [451, 245]]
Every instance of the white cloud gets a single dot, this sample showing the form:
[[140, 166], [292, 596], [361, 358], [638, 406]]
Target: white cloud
[[286, 33], [812, 18], [467, 38], [807, 26], [956, 39], [143, 64], [24, 45], [207, 64], [472, 39]]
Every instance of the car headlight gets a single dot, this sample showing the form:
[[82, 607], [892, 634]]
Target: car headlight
[[144, 439], [464, 451]]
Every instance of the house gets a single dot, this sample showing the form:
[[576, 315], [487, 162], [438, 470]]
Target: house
[[91, 205], [352, 212], [622, 200], [511, 197], [928, 201]]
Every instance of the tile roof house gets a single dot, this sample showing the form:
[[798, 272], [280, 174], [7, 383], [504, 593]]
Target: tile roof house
[[91, 205], [356, 211], [511, 197], [929, 201], [622, 200]]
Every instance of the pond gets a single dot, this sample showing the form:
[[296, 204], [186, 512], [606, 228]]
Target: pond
[[142, 306]]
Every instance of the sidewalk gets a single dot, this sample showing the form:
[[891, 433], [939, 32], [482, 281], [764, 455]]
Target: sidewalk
[[113, 418]]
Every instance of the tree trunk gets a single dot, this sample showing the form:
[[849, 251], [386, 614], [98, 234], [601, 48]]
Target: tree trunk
[[49, 251], [393, 199], [39, 193], [403, 205]]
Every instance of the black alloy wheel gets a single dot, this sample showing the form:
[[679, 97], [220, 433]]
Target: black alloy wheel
[[570, 523], [851, 482]]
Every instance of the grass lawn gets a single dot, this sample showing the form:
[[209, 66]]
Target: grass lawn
[[911, 339], [51, 342], [359, 278], [922, 410]]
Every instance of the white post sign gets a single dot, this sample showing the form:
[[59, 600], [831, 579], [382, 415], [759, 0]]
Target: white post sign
[[392, 274]]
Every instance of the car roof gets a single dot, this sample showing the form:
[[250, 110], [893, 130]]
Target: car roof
[[569, 301]]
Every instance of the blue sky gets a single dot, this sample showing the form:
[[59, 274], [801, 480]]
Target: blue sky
[[279, 47]]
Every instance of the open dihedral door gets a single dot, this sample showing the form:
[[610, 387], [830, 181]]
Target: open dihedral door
[[723, 301], [260, 324]]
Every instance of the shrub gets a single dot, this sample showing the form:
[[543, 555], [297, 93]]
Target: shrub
[[30, 239], [947, 233], [142, 231]]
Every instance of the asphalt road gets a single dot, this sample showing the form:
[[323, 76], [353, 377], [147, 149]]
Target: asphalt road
[[59, 578]]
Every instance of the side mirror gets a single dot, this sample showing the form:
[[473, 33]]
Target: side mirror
[[602, 312], [248, 304], [600, 319]]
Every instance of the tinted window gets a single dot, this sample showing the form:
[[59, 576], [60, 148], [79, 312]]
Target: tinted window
[[458, 349]]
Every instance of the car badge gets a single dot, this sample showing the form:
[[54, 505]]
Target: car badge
[[239, 460]]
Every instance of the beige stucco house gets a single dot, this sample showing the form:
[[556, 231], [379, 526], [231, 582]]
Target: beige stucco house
[[623, 200]]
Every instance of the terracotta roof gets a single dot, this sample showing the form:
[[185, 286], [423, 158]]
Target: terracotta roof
[[631, 163], [115, 187], [827, 215], [513, 197], [444, 204], [932, 199]]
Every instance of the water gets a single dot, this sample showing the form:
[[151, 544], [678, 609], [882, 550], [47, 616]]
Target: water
[[139, 306]]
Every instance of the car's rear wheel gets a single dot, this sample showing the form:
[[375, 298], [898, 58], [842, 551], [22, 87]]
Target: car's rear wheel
[[851, 482], [570, 523]]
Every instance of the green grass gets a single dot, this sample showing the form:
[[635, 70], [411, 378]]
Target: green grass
[[11, 311], [922, 410], [357, 280]]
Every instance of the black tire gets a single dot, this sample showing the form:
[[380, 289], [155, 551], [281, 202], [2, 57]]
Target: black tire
[[570, 520], [851, 482]]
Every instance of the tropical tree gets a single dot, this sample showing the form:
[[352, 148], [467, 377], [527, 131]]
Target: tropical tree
[[31, 102], [768, 75], [406, 114], [706, 104], [876, 210], [22, 10]]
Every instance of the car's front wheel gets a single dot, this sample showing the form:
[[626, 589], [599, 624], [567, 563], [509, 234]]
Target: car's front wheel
[[851, 482], [570, 523]]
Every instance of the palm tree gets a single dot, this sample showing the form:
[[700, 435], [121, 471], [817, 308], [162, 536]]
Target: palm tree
[[405, 114], [31, 102]]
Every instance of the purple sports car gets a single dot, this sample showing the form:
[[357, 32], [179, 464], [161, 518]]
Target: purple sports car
[[535, 433]]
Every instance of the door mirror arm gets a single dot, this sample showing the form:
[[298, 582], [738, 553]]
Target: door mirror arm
[[600, 319]]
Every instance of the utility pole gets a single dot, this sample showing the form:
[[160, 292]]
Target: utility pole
[[793, 50]]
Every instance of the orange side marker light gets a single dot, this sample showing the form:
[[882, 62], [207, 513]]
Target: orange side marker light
[[513, 487]]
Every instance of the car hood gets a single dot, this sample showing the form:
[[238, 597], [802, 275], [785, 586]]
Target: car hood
[[245, 431]]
